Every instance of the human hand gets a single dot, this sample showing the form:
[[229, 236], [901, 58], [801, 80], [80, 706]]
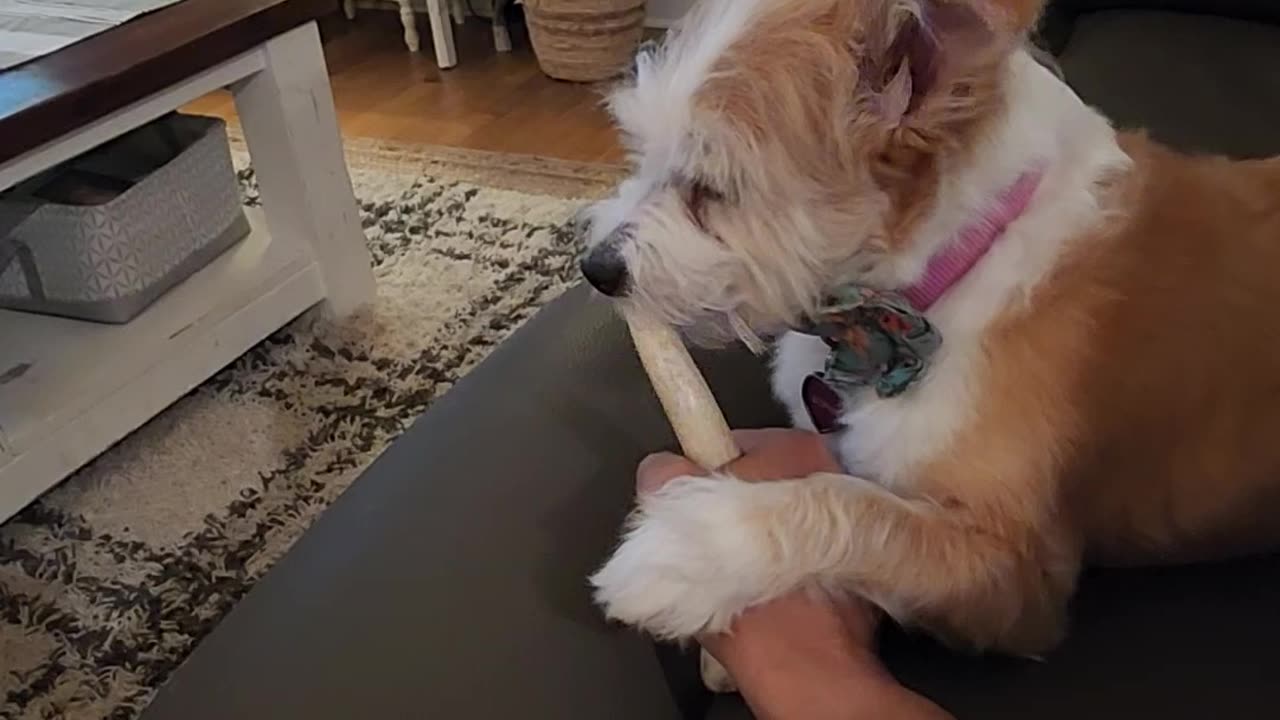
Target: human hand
[[767, 455], [804, 655]]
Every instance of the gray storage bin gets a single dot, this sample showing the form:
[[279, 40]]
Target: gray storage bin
[[169, 204]]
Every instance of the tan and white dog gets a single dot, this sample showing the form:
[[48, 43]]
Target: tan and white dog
[[1108, 385]]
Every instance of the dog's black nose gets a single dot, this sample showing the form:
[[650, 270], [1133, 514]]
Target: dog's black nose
[[605, 269]]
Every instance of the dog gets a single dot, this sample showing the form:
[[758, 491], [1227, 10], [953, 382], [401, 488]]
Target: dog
[[1082, 367]]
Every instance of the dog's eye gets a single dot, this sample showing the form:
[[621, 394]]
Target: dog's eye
[[698, 196]]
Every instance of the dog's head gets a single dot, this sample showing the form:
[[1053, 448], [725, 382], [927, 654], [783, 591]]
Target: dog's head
[[783, 147]]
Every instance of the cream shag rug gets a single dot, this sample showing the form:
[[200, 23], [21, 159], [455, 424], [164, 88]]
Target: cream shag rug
[[109, 581]]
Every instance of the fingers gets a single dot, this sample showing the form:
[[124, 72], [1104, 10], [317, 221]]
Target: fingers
[[781, 455], [717, 645], [771, 454], [657, 470], [751, 440]]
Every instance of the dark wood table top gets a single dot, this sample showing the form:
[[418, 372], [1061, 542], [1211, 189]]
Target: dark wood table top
[[47, 98]]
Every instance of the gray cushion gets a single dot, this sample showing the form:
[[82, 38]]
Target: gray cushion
[[1198, 83], [449, 581], [1254, 10]]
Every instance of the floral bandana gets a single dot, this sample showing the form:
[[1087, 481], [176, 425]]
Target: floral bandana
[[877, 340]]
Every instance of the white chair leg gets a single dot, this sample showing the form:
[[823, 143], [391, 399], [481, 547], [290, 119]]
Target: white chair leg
[[410, 22], [501, 35], [349, 7], [442, 33], [458, 9]]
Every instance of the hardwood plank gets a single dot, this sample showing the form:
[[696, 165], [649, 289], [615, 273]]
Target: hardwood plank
[[490, 101], [49, 97]]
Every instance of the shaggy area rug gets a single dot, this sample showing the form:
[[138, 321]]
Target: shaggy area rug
[[109, 581]]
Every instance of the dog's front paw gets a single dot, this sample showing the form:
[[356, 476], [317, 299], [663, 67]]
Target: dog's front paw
[[696, 554]]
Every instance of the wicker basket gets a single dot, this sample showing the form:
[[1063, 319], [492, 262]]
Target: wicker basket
[[585, 40]]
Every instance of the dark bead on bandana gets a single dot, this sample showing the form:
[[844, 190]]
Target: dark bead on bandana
[[823, 403]]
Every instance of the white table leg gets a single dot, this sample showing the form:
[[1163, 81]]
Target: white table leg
[[458, 10], [442, 33], [292, 130], [501, 35], [349, 7], [410, 22]]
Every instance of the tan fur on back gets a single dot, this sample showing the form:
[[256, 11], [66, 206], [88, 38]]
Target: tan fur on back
[[1143, 381], [1179, 401]]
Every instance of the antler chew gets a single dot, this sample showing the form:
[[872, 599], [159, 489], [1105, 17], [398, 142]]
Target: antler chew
[[696, 418], [687, 400]]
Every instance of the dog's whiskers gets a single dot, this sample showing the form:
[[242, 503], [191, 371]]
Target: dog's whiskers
[[748, 336]]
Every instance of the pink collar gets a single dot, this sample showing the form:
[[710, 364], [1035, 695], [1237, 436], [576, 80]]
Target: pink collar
[[971, 244]]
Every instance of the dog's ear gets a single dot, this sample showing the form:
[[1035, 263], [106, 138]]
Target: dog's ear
[[920, 49]]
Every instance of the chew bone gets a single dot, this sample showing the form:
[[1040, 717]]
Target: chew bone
[[687, 400], [696, 418]]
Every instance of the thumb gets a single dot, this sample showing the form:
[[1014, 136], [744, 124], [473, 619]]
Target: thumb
[[657, 470]]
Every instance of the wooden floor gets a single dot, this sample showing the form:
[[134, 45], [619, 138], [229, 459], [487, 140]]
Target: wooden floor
[[489, 101]]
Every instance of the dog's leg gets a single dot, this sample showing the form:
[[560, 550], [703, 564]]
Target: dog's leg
[[702, 550]]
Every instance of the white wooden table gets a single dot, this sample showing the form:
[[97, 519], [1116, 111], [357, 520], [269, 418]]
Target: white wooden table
[[69, 389]]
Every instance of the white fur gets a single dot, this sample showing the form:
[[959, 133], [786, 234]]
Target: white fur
[[698, 553], [654, 111], [1047, 124], [720, 279], [691, 560], [795, 358], [701, 550]]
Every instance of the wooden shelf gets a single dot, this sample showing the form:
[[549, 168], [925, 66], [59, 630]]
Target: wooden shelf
[[75, 388]]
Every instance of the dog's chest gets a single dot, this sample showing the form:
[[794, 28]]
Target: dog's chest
[[886, 440]]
